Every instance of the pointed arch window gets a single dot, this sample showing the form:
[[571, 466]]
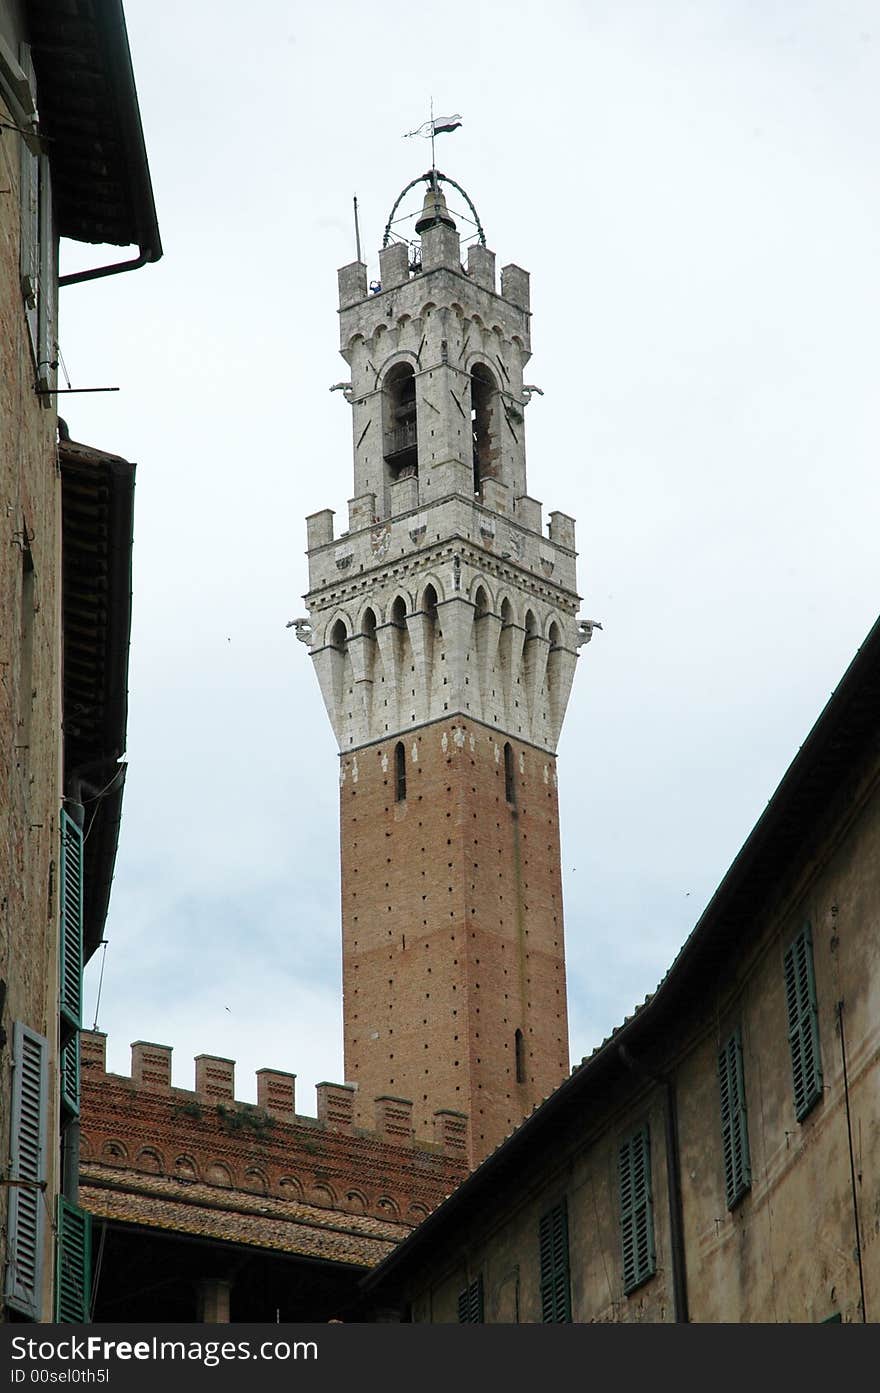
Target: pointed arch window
[[400, 772], [484, 425], [400, 434]]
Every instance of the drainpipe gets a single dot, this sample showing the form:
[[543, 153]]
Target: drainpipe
[[673, 1183], [146, 254], [852, 1163]]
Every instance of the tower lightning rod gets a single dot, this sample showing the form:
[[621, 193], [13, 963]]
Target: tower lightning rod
[[357, 231]]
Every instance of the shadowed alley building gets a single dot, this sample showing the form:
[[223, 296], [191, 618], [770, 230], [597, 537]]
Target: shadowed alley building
[[717, 1158], [74, 165]]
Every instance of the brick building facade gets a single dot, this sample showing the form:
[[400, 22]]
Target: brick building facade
[[205, 1207]]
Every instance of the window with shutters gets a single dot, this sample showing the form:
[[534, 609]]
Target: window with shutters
[[70, 1077], [71, 877], [28, 1156], [636, 1210], [803, 1023], [555, 1276], [734, 1127], [73, 1264], [470, 1303]]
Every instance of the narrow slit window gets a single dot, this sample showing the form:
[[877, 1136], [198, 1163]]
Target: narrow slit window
[[519, 1049], [509, 781], [400, 772]]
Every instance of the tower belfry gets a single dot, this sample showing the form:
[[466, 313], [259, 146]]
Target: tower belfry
[[444, 636]]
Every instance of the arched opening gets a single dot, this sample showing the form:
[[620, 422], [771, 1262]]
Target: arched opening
[[400, 446], [519, 1050], [400, 772], [481, 603], [484, 425], [554, 679], [509, 778], [339, 635]]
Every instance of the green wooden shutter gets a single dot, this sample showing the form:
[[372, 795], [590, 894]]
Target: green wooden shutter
[[73, 1274], [555, 1276], [70, 1076], [470, 1303], [803, 1023], [636, 1210], [70, 996], [24, 1270], [734, 1128]]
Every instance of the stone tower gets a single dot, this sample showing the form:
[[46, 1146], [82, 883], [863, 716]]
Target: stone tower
[[442, 624]]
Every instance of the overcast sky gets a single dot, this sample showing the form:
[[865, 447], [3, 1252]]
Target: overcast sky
[[694, 190]]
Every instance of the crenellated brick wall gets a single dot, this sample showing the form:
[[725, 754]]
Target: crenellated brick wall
[[143, 1124]]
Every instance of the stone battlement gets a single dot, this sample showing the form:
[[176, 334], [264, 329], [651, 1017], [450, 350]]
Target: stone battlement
[[142, 1123]]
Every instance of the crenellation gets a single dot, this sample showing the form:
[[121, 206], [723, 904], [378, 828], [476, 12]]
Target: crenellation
[[214, 1088], [481, 265], [215, 1078], [336, 1106], [319, 527], [394, 265], [150, 1064], [562, 530], [515, 286], [352, 283], [276, 1093]]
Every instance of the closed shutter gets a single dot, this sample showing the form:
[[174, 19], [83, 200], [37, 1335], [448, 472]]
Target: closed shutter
[[555, 1276], [803, 1023], [24, 1270], [70, 1076], [734, 1128], [636, 1210], [470, 1303], [73, 1274], [71, 925], [30, 217]]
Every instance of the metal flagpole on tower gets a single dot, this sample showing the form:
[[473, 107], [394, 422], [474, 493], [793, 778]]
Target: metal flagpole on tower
[[433, 161]]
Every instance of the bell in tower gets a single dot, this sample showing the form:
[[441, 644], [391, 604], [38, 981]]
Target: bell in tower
[[444, 636]]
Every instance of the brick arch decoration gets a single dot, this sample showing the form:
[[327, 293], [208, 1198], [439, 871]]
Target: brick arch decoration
[[150, 1161], [355, 1202], [323, 1195], [114, 1153], [290, 1187], [185, 1167], [218, 1173], [256, 1180], [388, 1206]]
